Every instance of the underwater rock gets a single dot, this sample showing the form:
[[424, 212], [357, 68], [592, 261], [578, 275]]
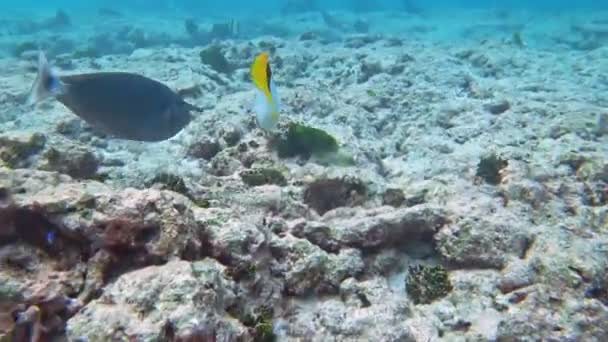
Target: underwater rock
[[516, 275], [367, 70], [595, 169], [205, 149], [498, 107], [425, 284], [36, 281], [78, 163], [531, 319], [191, 296], [393, 197], [261, 176], [224, 164], [480, 243], [231, 134], [344, 317], [214, 57], [129, 227], [324, 195], [490, 167], [372, 229], [16, 148], [309, 35], [602, 124], [170, 182], [234, 242], [310, 270]]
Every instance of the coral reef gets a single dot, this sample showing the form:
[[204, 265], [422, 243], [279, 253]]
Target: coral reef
[[404, 143]]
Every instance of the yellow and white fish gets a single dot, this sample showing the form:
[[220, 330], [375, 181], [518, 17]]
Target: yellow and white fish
[[267, 103]]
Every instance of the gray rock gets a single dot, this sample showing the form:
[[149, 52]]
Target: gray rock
[[602, 124], [139, 304], [481, 243], [76, 162], [205, 149], [375, 228], [17, 148], [498, 107]]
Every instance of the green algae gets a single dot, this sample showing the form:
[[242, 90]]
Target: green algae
[[425, 284], [263, 325], [302, 140], [263, 176]]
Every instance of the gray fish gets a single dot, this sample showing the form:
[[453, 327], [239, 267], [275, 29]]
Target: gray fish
[[123, 105]]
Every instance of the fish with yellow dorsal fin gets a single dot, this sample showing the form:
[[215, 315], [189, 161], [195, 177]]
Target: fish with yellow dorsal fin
[[267, 103]]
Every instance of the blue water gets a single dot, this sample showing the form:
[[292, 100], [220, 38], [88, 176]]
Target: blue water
[[228, 7]]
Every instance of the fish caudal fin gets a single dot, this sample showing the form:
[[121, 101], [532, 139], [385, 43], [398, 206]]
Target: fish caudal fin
[[47, 83]]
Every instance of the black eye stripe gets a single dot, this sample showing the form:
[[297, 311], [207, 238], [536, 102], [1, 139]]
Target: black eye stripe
[[268, 76]]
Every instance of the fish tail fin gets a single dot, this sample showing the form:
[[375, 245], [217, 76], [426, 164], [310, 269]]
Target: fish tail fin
[[47, 83], [267, 110]]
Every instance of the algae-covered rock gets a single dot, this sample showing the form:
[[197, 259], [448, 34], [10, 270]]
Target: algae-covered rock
[[192, 296], [261, 176], [77, 162], [301, 140], [170, 182], [393, 197], [372, 229], [312, 270], [214, 57], [594, 169], [9, 289], [324, 195], [482, 243], [205, 149], [16, 148], [425, 284], [489, 168], [231, 134], [263, 325]]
